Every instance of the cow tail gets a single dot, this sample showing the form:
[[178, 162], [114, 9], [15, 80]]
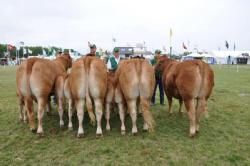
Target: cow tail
[[30, 63], [201, 102], [144, 102], [202, 73], [89, 105]]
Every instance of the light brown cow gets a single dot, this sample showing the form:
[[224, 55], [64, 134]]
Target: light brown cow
[[87, 81], [135, 80], [36, 78], [188, 81]]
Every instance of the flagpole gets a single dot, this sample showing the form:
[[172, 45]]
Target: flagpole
[[16, 57], [170, 42]]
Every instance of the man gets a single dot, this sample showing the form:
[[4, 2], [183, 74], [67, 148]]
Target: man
[[92, 50], [114, 60], [158, 80]]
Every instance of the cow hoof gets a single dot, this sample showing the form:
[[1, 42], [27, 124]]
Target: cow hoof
[[33, 130], [40, 135], [25, 121], [70, 128], [61, 126], [108, 128], [145, 130], [123, 132], [192, 135], [81, 135], [99, 136], [134, 134]]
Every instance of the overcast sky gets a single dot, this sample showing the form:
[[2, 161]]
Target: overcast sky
[[72, 23]]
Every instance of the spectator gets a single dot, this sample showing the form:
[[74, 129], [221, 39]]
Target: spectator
[[158, 80], [114, 60]]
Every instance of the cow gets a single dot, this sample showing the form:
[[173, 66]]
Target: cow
[[190, 82], [36, 78], [87, 81], [134, 82]]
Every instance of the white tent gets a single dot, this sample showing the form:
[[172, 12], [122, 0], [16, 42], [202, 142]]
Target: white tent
[[226, 57], [195, 55]]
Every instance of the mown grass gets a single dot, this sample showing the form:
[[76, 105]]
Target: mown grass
[[223, 139]]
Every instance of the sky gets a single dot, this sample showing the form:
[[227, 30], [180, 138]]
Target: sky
[[204, 24]]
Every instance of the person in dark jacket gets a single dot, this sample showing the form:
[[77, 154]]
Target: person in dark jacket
[[92, 50], [158, 80]]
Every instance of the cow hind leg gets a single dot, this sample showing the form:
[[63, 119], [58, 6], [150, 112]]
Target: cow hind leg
[[107, 116], [70, 125], [49, 108], [25, 119], [133, 115], [60, 111], [98, 111], [180, 103], [170, 104], [41, 106], [23, 112], [190, 106], [80, 115], [29, 108], [122, 117]]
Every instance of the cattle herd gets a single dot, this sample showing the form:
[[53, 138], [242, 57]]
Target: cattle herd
[[87, 82]]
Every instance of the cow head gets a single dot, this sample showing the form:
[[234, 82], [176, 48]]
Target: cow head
[[160, 62], [67, 60]]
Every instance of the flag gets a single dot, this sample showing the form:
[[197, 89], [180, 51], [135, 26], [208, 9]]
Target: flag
[[184, 46], [170, 40], [29, 51], [226, 44], [89, 44], [10, 47], [44, 53], [53, 52], [24, 51], [234, 47]]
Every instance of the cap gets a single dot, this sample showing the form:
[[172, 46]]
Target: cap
[[116, 49], [92, 46], [157, 51]]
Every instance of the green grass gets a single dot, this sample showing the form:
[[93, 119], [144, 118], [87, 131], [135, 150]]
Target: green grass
[[224, 138]]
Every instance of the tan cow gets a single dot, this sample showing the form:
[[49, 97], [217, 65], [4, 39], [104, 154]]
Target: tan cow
[[87, 81], [23, 112], [36, 78], [135, 80], [188, 81]]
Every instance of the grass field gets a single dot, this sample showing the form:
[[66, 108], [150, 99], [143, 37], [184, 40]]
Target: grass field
[[224, 138]]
